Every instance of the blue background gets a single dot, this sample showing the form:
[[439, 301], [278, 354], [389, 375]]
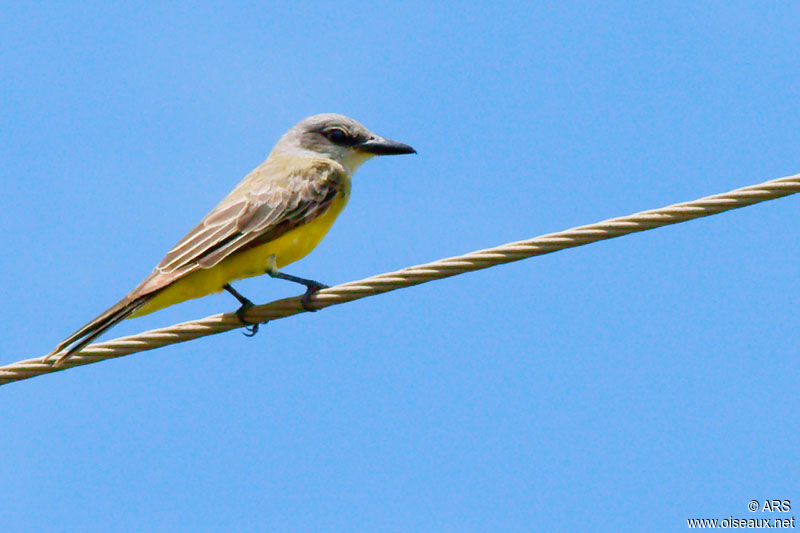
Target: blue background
[[623, 386]]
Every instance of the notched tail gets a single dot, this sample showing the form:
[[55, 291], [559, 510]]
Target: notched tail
[[110, 318]]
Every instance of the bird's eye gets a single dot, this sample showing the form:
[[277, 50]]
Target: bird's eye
[[336, 135]]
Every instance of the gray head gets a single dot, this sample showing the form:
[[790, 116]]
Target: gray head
[[339, 138]]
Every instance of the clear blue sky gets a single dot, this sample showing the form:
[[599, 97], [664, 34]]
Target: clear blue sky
[[622, 386]]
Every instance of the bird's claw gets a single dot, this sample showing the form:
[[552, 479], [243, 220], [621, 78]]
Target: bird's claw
[[251, 327], [311, 289]]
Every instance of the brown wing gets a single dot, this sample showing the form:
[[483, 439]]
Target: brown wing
[[257, 211]]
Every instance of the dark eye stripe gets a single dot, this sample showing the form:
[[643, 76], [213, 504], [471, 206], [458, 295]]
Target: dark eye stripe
[[339, 136]]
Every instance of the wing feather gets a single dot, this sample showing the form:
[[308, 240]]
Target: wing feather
[[255, 217], [202, 238]]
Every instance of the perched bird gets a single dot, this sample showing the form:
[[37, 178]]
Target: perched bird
[[275, 216]]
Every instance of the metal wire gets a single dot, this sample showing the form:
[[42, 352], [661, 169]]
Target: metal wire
[[414, 275]]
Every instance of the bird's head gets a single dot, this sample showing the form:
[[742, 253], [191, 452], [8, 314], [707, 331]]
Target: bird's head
[[339, 138]]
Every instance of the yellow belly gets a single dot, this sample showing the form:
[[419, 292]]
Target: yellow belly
[[288, 248]]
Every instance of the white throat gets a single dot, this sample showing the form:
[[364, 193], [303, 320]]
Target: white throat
[[353, 160]]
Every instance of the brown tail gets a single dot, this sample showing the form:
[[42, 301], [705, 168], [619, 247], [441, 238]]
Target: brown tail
[[113, 316]]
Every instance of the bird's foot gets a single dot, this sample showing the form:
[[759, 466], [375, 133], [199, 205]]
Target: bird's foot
[[251, 327], [311, 288]]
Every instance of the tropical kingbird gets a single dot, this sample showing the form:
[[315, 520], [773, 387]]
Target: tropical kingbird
[[275, 216]]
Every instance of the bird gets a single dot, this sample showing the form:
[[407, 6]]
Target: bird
[[275, 216]]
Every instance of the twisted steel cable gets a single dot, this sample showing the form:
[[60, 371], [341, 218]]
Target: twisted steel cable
[[443, 268]]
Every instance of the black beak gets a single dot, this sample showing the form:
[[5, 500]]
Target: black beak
[[380, 146]]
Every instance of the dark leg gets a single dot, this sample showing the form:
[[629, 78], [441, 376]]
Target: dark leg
[[311, 286], [252, 327]]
